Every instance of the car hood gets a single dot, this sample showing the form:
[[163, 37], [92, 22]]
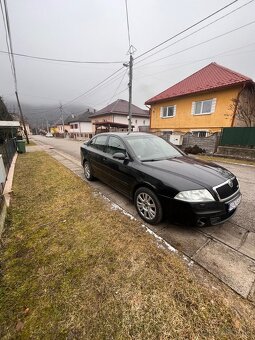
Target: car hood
[[190, 170]]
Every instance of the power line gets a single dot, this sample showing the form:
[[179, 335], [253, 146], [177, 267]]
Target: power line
[[8, 40], [103, 83], [114, 94], [107, 100], [6, 37], [201, 43], [94, 87], [129, 40], [177, 65], [198, 30], [186, 29], [10, 48], [61, 60], [10, 44]]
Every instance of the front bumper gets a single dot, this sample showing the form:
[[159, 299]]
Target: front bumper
[[204, 214]]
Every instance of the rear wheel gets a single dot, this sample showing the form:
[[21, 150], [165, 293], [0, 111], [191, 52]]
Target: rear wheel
[[148, 205], [87, 171]]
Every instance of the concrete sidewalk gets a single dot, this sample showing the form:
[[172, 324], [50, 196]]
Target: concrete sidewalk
[[227, 251]]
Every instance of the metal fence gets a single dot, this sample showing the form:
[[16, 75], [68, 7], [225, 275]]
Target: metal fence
[[238, 136], [7, 150]]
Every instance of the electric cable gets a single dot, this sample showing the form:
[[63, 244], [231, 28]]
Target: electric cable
[[187, 29], [198, 30], [94, 87], [6, 37], [114, 94], [201, 43], [129, 39], [62, 60], [176, 65], [10, 44]]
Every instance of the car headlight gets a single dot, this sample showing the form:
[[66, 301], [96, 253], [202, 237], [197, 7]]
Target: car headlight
[[202, 195]]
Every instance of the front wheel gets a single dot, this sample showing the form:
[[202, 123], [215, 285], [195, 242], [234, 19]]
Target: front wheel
[[87, 171], [148, 205]]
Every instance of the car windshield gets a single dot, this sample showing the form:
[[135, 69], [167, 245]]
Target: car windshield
[[151, 148]]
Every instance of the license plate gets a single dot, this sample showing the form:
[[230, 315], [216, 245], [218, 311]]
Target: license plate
[[234, 204]]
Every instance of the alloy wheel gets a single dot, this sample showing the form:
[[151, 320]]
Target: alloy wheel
[[146, 206]]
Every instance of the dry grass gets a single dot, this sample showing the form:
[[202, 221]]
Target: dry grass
[[31, 143], [74, 269], [225, 160]]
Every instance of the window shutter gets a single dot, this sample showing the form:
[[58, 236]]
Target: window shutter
[[161, 112], [193, 108], [213, 105], [174, 113]]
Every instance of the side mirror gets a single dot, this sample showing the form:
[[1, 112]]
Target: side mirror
[[119, 155]]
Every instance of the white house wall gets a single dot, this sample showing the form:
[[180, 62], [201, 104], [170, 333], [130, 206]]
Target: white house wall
[[136, 121], [122, 119], [83, 127]]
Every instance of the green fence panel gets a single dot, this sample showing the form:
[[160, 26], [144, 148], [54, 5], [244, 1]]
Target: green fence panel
[[241, 136]]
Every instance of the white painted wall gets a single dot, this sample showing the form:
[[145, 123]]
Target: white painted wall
[[83, 127], [136, 121]]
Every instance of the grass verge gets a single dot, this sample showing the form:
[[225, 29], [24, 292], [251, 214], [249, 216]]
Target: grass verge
[[225, 160], [31, 143], [74, 269]]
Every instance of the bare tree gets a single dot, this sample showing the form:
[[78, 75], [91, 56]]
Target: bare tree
[[244, 106]]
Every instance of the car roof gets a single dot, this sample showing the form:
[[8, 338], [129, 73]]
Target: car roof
[[126, 134]]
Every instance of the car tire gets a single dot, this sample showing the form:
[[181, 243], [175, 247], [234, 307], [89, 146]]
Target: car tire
[[148, 205], [87, 171]]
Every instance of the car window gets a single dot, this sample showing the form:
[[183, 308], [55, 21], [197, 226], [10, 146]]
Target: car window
[[115, 145], [99, 142], [152, 148]]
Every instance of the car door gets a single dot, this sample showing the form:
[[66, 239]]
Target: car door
[[120, 172], [96, 155]]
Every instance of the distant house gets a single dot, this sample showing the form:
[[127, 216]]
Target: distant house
[[114, 117], [17, 117], [201, 103], [80, 126], [64, 127]]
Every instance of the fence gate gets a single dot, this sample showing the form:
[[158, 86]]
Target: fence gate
[[238, 136]]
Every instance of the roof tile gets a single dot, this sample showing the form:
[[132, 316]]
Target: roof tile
[[120, 106], [211, 77]]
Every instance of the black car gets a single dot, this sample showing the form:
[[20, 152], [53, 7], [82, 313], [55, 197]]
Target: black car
[[161, 179]]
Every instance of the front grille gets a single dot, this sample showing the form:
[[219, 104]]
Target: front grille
[[225, 190]]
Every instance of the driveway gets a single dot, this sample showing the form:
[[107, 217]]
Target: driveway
[[226, 251]]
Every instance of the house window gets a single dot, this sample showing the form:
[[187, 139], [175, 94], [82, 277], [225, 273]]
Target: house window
[[71, 126], [136, 121], [201, 133], [144, 122], [204, 107], [76, 126], [168, 111]]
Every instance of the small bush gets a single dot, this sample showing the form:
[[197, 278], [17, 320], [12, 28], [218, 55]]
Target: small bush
[[194, 150]]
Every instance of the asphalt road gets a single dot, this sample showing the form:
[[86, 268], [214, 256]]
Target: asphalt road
[[227, 250]]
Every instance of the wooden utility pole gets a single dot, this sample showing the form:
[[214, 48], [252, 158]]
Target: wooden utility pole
[[22, 117], [62, 118], [130, 93], [130, 65]]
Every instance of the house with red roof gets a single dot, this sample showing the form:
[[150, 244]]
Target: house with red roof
[[202, 103], [114, 117]]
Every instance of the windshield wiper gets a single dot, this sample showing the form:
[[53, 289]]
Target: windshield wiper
[[150, 160], [158, 159]]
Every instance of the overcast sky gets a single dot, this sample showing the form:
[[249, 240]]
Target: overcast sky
[[97, 31]]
